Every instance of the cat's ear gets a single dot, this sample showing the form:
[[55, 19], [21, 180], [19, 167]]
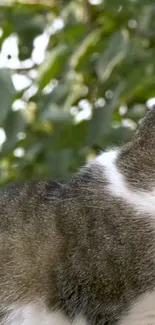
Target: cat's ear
[[145, 134], [148, 119]]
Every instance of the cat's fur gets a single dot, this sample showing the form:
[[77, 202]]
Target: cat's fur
[[83, 251]]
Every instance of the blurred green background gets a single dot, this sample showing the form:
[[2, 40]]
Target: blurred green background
[[75, 77]]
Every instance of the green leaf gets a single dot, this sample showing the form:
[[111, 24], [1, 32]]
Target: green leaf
[[55, 114], [52, 106], [113, 54], [83, 51], [77, 91], [136, 112], [59, 162], [14, 124], [70, 137], [52, 66], [100, 123], [7, 92]]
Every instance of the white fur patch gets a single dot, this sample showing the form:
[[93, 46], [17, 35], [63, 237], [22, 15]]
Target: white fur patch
[[34, 314], [140, 200], [142, 312]]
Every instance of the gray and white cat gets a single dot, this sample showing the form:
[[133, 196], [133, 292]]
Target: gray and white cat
[[82, 252]]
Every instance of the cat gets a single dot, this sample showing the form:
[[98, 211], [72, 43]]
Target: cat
[[82, 251]]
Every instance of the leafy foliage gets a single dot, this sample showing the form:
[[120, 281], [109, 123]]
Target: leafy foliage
[[77, 79]]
